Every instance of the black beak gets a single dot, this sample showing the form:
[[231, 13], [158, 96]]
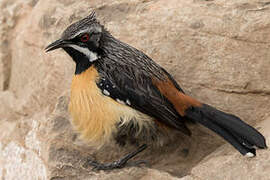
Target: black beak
[[57, 44]]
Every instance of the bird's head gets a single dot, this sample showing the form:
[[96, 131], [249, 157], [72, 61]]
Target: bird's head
[[81, 40]]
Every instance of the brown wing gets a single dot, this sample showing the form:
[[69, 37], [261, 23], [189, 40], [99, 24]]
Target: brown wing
[[180, 101]]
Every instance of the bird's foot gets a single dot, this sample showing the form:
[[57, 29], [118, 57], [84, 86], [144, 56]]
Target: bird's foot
[[119, 163]]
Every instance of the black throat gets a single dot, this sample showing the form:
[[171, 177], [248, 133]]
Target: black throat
[[82, 62]]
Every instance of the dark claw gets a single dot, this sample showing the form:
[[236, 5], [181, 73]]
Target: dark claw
[[138, 163], [117, 164], [109, 166]]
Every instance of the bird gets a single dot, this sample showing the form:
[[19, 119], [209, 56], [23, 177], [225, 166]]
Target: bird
[[118, 93]]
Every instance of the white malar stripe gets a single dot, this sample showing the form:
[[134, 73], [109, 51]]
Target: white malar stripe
[[91, 55]]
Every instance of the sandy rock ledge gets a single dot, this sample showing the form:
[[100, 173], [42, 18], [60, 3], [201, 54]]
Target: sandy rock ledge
[[217, 50]]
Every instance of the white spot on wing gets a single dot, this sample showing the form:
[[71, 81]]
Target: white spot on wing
[[91, 55], [120, 101], [105, 92], [128, 102]]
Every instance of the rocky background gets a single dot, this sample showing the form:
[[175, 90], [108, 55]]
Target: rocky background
[[217, 50]]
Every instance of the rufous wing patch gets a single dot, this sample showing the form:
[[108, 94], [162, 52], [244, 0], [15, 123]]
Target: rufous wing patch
[[180, 101]]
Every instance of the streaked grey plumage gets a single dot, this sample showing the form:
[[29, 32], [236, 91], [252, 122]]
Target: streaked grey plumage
[[86, 24]]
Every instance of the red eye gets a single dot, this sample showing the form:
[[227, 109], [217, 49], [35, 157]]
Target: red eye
[[85, 38]]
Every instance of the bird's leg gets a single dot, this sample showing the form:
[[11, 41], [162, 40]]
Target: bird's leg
[[119, 163]]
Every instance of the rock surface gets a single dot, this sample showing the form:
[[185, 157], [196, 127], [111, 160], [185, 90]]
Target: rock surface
[[217, 50], [230, 165]]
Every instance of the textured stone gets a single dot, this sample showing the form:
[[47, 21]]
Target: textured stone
[[217, 50], [18, 162], [231, 165]]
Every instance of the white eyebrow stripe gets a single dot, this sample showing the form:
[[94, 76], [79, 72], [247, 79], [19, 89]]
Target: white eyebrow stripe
[[91, 55], [78, 33], [87, 30]]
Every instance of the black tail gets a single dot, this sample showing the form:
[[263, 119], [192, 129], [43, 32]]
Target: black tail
[[239, 134]]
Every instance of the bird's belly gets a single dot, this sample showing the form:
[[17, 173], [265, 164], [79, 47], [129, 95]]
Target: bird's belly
[[95, 116]]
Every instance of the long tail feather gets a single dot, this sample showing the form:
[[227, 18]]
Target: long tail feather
[[239, 134]]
